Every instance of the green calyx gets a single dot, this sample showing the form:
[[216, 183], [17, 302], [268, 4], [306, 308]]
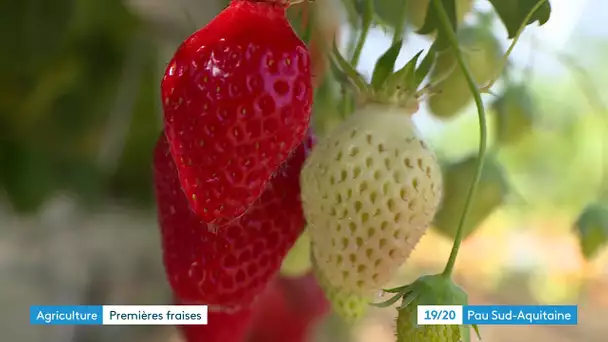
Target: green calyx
[[427, 290], [387, 86]]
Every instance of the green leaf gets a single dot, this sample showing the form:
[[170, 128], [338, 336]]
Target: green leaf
[[513, 13], [388, 302], [397, 289], [466, 329], [490, 194], [339, 75], [515, 114], [386, 65], [426, 65], [408, 299], [405, 78], [592, 226], [345, 67], [476, 328]]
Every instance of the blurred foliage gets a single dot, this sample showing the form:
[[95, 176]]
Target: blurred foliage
[[593, 229], [59, 83], [515, 111], [483, 54], [457, 176]]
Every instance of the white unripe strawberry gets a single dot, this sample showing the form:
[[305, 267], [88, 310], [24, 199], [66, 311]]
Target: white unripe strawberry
[[370, 190]]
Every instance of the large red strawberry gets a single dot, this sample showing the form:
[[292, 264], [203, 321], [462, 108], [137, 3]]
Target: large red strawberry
[[288, 310], [237, 101], [229, 266], [220, 327]]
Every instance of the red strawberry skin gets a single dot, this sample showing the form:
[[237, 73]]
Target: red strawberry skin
[[228, 266], [221, 327], [237, 100], [288, 310]]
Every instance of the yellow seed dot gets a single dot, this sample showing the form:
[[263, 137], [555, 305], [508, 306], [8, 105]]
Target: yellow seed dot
[[194, 197], [270, 62], [205, 79], [288, 61], [218, 89]]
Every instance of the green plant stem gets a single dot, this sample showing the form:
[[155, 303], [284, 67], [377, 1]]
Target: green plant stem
[[453, 40], [366, 24], [400, 27], [505, 58]]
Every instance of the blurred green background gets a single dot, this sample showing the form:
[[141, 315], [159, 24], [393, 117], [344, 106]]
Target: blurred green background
[[80, 113]]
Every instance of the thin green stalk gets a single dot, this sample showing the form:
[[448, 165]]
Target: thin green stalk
[[505, 58], [400, 27], [451, 36], [366, 24]]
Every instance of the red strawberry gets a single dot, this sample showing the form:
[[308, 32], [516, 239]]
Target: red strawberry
[[288, 310], [221, 327], [229, 266], [237, 100]]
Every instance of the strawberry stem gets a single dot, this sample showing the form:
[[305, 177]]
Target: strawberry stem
[[366, 24], [449, 33], [400, 27], [505, 58]]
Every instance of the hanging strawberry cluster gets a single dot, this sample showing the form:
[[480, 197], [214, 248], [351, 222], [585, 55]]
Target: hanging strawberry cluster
[[237, 177], [237, 100]]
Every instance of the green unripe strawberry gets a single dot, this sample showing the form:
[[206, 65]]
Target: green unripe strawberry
[[350, 307], [297, 262], [482, 54], [457, 178], [428, 290], [370, 189], [407, 331]]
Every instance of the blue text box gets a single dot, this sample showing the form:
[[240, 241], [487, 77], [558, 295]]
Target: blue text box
[[520, 314], [67, 315]]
